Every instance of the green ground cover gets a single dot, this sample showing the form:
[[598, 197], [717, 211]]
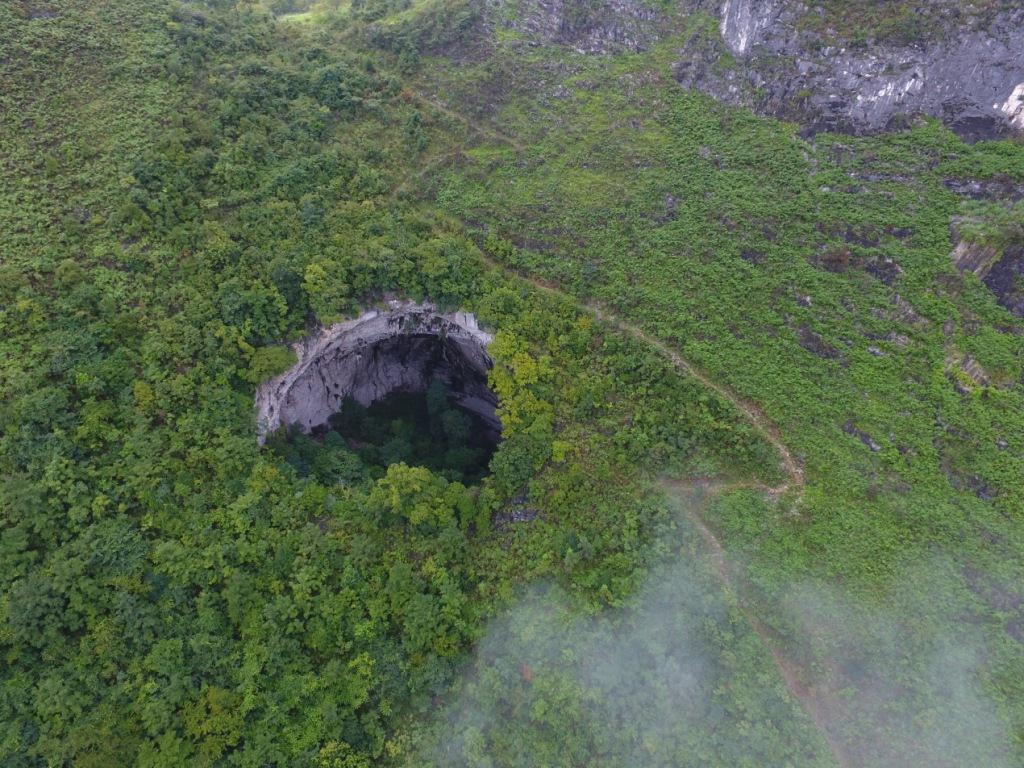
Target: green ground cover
[[185, 186], [815, 279]]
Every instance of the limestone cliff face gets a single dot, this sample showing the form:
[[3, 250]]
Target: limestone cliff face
[[400, 349], [744, 22], [968, 71], [971, 76]]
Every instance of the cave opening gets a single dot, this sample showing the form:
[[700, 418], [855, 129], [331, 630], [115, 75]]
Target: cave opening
[[425, 429], [406, 385]]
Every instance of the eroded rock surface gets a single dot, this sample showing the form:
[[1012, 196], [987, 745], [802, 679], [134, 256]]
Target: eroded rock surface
[[1006, 280], [402, 349], [1001, 269], [744, 22], [601, 26], [971, 76], [965, 66]]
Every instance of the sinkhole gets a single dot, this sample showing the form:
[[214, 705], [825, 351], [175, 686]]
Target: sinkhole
[[405, 384]]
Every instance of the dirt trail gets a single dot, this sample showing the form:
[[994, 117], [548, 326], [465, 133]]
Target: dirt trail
[[474, 125], [815, 704], [820, 706], [753, 414]]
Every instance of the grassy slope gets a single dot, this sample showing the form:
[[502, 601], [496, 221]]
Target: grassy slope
[[79, 104], [731, 274], [154, 560]]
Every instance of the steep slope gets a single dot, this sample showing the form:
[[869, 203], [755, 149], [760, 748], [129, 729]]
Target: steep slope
[[814, 279], [758, 498], [828, 66]]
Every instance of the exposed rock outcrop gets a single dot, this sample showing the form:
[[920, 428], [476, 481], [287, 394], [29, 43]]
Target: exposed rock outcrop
[[784, 58], [744, 22], [971, 76], [603, 26], [973, 257], [965, 372], [850, 428], [997, 190], [1000, 268], [401, 349], [1006, 280]]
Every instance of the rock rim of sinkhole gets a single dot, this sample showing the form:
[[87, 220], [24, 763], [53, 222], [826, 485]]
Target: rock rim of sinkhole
[[402, 348]]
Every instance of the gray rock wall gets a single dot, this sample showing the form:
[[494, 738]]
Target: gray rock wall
[[744, 22], [400, 349], [968, 73], [970, 77]]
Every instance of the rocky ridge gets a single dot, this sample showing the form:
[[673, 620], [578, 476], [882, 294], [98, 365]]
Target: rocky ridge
[[971, 77]]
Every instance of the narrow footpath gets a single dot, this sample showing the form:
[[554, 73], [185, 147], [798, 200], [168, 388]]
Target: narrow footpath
[[817, 704]]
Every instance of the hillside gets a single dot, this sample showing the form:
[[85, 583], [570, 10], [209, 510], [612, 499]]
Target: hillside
[[740, 285]]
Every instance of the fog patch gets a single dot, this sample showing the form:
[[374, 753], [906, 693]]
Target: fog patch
[[679, 678], [905, 677], [676, 678]]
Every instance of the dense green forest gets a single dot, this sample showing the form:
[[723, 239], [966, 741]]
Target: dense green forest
[[758, 495]]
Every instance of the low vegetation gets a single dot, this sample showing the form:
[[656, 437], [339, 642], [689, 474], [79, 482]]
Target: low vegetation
[[187, 185]]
